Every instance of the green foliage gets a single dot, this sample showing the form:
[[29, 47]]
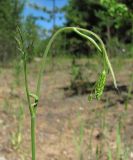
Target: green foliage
[[32, 39], [10, 14], [114, 14], [82, 14], [112, 19]]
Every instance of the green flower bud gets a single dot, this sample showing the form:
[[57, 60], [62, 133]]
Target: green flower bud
[[100, 85]]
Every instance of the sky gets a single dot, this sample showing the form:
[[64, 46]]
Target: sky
[[48, 3]]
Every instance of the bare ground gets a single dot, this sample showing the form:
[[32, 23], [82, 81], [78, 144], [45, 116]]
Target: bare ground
[[62, 113]]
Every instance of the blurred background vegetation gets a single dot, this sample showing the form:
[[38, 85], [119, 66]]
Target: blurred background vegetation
[[112, 20], [95, 130]]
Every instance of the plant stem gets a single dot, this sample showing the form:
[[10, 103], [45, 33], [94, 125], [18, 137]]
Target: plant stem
[[33, 107], [33, 143], [103, 51], [44, 58], [101, 48], [32, 110]]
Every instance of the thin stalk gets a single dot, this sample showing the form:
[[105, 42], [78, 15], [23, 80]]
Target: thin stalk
[[23, 51], [103, 51], [26, 86], [33, 107], [33, 116], [89, 38], [33, 145], [44, 58], [76, 29], [33, 142]]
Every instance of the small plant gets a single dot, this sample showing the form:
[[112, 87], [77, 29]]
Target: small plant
[[16, 137], [129, 93], [75, 71], [94, 39], [78, 139], [77, 76], [17, 72]]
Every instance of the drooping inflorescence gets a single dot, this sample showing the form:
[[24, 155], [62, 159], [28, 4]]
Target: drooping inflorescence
[[100, 84]]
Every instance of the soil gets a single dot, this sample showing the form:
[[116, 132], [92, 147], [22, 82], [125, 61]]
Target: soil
[[64, 114]]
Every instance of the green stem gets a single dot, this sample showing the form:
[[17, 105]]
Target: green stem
[[33, 107], [33, 143], [44, 58], [26, 85], [101, 49]]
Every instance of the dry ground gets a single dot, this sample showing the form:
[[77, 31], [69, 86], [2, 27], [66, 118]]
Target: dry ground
[[62, 113]]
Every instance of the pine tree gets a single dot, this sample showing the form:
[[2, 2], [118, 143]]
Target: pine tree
[[82, 14], [10, 12]]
